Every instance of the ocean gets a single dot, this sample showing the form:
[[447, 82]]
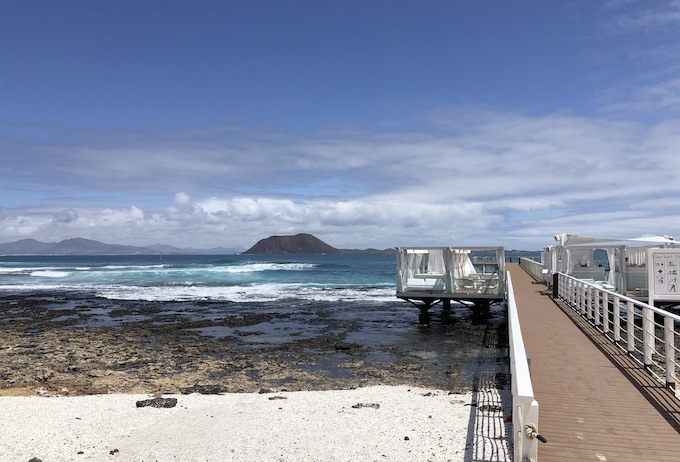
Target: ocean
[[308, 321], [236, 278], [351, 277]]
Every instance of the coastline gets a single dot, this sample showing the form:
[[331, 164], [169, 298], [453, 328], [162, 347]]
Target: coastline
[[60, 344], [282, 386], [373, 423]]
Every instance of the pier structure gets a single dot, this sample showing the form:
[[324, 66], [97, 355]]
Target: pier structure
[[600, 364], [598, 399], [429, 275]]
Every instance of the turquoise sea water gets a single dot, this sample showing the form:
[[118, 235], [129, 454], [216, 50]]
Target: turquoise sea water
[[199, 277], [237, 278]]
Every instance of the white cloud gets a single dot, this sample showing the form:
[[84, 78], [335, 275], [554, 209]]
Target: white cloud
[[65, 216], [644, 16], [663, 96], [638, 58], [182, 199], [499, 178]]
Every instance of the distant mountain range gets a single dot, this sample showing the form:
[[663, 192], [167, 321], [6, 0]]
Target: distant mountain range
[[301, 243], [80, 246]]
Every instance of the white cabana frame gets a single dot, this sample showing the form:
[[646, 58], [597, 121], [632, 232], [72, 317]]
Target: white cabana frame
[[625, 272], [431, 273]]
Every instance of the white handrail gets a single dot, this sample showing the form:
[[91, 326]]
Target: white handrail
[[534, 268], [645, 332], [525, 407]]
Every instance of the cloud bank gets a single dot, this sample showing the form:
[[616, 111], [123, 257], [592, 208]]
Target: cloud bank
[[470, 178]]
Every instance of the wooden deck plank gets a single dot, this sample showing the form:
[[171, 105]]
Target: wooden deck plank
[[594, 402]]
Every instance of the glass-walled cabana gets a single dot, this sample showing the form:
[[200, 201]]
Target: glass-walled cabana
[[431, 274], [615, 264]]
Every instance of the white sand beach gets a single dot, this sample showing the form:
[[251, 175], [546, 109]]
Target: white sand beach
[[379, 423]]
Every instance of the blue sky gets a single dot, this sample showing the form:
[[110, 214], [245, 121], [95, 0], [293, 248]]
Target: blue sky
[[367, 123]]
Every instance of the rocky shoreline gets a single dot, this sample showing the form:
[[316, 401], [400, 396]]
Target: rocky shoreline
[[55, 344]]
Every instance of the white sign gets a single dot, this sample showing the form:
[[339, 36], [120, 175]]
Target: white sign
[[664, 268]]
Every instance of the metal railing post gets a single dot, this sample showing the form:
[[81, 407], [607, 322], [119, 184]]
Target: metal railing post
[[576, 288], [598, 306], [630, 327], [616, 312], [669, 348], [647, 336], [605, 312]]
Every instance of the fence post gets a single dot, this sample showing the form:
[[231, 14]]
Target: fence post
[[597, 306], [605, 312], [669, 348], [555, 288], [630, 327], [647, 336], [526, 446], [616, 312]]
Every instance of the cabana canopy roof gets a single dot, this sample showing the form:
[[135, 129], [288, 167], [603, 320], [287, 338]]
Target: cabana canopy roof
[[571, 239]]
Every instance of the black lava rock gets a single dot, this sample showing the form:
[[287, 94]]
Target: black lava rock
[[204, 389], [158, 402]]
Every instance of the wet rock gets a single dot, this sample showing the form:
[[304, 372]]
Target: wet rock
[[371, 405], [204, 389], [158, 402], [501, 378], [457, 391]]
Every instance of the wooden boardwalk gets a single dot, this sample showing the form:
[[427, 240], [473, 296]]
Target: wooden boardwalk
[[595, 403]]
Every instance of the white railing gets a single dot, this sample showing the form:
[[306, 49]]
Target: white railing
[[534, 268], [524, 406], [647, 333]]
